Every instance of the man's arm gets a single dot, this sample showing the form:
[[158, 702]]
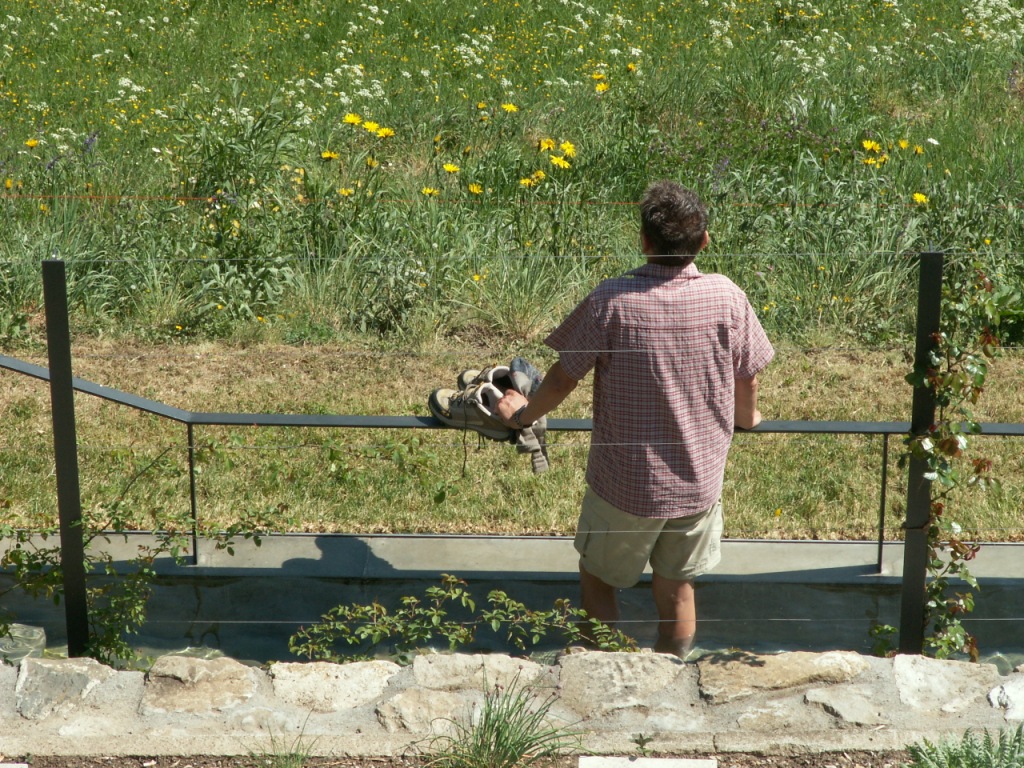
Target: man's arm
[[555, 387], [747, 414]]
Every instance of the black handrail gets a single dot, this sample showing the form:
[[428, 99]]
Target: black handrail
[[199, 418]]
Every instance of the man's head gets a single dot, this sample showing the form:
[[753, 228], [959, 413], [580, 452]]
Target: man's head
[[673, 224]]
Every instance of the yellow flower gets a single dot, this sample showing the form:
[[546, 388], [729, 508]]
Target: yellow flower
[[528, 182], [476, 189], [546, 145], [32, 143], [8, 183], [920, 198], [904, 143], [329, 155], [869, 161], [598, 76], [476, 278], [871, 146], [988, 241], [450, 168], [567, 148], [918, 149], [261, 318], [510, 107], [346, 191], [44, 208], [371, 126], [560, 162], [538, 175], [352, 119], [430, 192], [371, 163], [481, 105], [631, 67], [385, 133], [601, 87]]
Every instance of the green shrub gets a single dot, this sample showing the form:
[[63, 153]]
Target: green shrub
[[1005, 750], [514, 730]]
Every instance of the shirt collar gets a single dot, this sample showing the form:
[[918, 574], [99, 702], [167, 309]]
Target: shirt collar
[[662, 272]]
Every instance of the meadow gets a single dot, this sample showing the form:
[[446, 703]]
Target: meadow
[[418, 186]]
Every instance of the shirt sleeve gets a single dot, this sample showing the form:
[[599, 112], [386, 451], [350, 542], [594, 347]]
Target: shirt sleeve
[[578, 340], [751, 349]]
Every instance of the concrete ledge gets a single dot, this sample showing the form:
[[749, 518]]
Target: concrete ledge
[[389, 556]]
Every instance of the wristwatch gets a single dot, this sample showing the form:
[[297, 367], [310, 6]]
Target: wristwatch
[[517, 417]]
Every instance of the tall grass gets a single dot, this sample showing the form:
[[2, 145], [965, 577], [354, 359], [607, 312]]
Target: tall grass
[[350, 167]]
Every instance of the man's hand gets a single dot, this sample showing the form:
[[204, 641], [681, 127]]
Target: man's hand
[[508, 405], [553, 390]]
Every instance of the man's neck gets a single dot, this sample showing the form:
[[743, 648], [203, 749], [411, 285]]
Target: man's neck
[[671, 261]]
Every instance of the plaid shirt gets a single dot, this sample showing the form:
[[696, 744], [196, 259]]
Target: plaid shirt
[[667, 345]]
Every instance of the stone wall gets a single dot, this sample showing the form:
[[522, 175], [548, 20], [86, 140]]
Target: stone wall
[[785, 703]]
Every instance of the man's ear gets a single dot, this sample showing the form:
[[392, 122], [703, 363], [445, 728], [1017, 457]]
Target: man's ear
[[704, 242], [645, 244]]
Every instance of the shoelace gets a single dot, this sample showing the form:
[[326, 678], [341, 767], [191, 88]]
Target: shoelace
[[466, 397], [460, 398]]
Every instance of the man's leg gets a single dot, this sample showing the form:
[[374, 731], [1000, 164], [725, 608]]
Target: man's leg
[[598, 598], [677, 615]]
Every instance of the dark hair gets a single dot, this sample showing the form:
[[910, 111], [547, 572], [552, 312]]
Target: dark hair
[[674, 220]]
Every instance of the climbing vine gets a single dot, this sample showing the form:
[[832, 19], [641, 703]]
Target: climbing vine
[[974, 308]]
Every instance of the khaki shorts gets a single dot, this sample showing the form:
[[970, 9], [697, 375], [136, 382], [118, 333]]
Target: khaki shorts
[[616, 546]]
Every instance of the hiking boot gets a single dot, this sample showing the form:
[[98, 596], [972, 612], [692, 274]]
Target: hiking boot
[[467, 378], [471, 408], [498, 375]]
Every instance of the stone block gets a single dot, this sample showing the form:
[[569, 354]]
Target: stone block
[[418, 710], [56, 686], [851, 704], [594, 684], [323, 687], [196, 686], [942, 685], [1010, 697], [476, 671], [724, 681]]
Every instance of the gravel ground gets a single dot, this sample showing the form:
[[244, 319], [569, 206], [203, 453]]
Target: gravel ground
[[727, 760]]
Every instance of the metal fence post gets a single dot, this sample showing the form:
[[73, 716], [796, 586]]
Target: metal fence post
[[65, 451], [881, 503], [919, 496], [193, 503]]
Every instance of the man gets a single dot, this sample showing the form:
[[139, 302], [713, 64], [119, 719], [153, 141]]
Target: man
[[675, 355]]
